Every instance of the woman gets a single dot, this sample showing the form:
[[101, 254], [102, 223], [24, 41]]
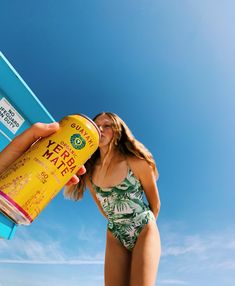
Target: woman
[[117, 175]]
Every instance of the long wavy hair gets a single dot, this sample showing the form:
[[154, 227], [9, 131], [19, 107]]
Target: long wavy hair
[[125, 143]]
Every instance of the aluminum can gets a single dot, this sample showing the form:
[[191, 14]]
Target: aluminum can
[[33, 180]]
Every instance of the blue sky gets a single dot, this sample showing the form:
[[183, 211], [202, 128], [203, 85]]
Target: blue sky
[[167, 68]]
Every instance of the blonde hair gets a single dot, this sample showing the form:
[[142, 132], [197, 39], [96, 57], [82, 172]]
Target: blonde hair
[[127, 145]]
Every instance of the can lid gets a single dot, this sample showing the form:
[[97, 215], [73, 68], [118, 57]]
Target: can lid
[[7, 227], [91, 121]]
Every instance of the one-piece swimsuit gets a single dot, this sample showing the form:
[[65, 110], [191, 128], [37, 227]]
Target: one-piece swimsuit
[[125, 208]]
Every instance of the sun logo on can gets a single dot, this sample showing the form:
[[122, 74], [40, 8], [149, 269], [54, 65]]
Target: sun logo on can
[[77, 141]]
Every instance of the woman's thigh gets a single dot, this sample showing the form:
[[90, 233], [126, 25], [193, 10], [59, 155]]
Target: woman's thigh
[[146, 256], [117, 262]]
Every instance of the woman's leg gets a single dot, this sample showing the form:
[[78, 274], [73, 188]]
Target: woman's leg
[[117, 262], [146, 256]]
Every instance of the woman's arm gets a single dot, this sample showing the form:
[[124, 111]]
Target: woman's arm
[[145, 174]]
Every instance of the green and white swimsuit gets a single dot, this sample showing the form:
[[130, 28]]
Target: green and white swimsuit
[[125, 208]]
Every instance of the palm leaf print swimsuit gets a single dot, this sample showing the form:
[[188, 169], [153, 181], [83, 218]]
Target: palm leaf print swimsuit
[[125, 208]]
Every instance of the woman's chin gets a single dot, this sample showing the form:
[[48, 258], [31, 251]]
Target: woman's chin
[[103, 143]]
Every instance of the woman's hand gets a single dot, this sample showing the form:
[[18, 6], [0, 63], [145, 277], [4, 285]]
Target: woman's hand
[[22, 142]]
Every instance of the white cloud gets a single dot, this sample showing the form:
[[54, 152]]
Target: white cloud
[[202, 255], [203, 246], [24, 249], [231, 245], [52, 262], [183, 255], [88, 234], [186, 245], [44, 275], [172, 282], [228, 265]]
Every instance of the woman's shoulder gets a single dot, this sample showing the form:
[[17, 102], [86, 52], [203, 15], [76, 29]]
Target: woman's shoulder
[[136, 161], [138, 165]]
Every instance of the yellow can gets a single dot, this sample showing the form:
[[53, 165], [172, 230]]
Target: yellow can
[[33, 180]]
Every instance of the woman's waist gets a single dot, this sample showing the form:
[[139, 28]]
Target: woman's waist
[[131, 217], [120, 207]]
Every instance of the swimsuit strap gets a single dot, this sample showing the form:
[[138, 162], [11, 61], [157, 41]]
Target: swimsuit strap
[[92, 183], [129, 173]]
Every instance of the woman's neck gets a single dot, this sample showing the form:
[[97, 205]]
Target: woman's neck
[[106, 155]]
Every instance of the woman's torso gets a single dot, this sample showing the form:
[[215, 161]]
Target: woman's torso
[[123, 199]]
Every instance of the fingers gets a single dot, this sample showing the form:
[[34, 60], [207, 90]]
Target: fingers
[[74, 180], [23, 141], [29, 136], [81, 171]]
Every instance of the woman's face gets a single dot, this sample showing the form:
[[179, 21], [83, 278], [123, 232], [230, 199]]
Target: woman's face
[[104, 123]]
